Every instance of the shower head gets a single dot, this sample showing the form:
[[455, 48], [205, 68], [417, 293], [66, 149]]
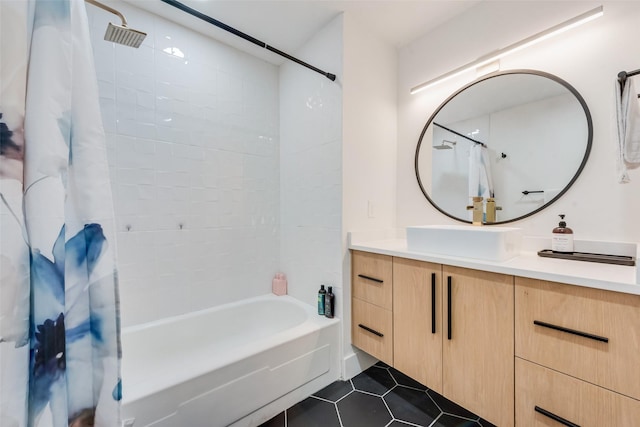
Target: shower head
[[120, 34], [443, 146], [124, 35]]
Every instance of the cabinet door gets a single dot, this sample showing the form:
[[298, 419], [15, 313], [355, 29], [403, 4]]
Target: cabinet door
[[372, 330], [417, 321], [591, 334], [545, 397], [372, 278], [478, 371]]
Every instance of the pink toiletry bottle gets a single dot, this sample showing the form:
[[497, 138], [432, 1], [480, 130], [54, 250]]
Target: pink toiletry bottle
[[279, 284]]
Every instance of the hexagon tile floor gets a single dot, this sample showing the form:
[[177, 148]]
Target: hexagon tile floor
[[378, 397]]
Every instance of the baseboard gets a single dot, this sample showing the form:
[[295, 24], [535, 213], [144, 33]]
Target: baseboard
[[357, 362]]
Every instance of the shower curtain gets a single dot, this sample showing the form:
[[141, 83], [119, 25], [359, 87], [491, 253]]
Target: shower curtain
[[59, 318]]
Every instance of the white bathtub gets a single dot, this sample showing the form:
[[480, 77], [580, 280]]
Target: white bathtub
[[238, 364]]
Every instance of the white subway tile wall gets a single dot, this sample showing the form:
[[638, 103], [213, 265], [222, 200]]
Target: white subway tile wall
[[311, 169], [193, 142]]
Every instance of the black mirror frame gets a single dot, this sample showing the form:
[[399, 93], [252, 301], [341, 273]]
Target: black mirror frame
[[490, 76]]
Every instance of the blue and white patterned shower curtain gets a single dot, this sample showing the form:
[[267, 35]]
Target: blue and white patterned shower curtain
[[59, 321]]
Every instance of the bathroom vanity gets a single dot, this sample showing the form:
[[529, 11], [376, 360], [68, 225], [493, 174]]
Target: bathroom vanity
[[518, 342]]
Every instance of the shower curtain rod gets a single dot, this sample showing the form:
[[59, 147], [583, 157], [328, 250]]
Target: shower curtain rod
[[622, 77], [245, 36], [461, 135]]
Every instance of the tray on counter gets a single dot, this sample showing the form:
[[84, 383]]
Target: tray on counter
[[585, 256]]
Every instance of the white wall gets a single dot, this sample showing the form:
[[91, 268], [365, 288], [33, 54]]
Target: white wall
[[338, 148], [192, 141], [369, 150], [311, 167], [589, 58]]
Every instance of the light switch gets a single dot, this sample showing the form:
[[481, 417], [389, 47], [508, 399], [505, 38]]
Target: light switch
[[370, 211]]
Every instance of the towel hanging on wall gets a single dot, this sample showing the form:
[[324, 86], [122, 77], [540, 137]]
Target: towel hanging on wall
[[628, 128]]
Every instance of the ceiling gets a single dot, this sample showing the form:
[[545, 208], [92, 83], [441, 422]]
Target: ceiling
[[288, 24]]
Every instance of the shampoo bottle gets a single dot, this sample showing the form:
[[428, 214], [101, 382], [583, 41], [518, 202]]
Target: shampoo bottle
[[562, 238], [328, 303], [321, 299]]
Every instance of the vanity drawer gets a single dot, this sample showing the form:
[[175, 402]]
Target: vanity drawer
[[587, 333], [542, 393], [372, 278], [372, 330]]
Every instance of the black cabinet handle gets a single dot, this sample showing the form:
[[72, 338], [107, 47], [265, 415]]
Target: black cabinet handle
[[448, 307], [373, 279], [433, 303], [373, 331], [571, 331], [555, 417]]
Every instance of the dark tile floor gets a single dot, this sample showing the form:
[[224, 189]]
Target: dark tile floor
[[378, 397]]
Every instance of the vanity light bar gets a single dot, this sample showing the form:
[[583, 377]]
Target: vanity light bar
[[529, 41]]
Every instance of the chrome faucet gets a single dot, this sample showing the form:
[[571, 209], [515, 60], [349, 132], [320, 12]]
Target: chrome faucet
[[478, 211]]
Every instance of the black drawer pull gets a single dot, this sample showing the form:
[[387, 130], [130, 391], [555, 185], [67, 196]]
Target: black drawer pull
[[555, 417], [373, 331], [449, 307], [373, 279], [571, 331], [433, 303]]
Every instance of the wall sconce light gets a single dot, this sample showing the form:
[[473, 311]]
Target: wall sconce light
[[529, 41]]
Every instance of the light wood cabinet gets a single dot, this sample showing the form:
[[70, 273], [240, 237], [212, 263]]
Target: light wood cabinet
[[570, 353], [371, 304], [464, 353], [590, 334], [545, 397], [581, 350], [372, 330], [417, 321], [372, 278], [478, 345]]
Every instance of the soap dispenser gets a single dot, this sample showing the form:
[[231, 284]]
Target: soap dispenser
[[562, 237]]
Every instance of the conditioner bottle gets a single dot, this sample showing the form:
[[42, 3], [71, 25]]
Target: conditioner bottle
[[328, 304]]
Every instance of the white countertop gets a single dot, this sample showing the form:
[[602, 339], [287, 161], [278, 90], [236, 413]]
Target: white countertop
[[528, 264]]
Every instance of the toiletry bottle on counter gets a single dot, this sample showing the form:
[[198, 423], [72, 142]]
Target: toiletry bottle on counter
[[328, 303], [562, 238], [321, 299], [279, 284]]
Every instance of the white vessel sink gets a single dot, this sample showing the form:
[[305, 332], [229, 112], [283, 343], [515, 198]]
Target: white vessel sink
[[467, 241]]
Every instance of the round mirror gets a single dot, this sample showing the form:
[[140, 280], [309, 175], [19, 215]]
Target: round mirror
[[521, 137]]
